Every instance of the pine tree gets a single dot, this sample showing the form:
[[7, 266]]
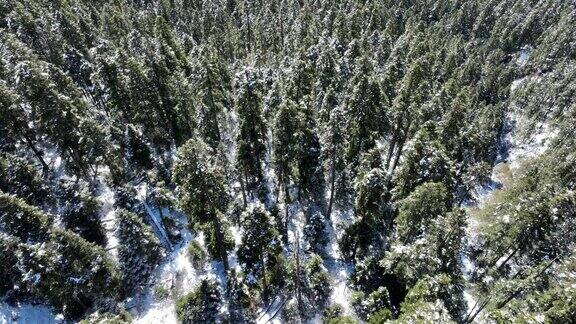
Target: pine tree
[[373, 215], [61, 114], [333, 138], [253, 131], [319, 282], [367, 119], [260, 244], [67, 272], [287, 134], [426, 202], [139, 251], [81, 212], [424, 160], [310, 176], [202, 190], [19, 178], [13, 121], [19, 219], [212, 91], [315, 230], [9, 264], [200, 306], [240, 300]]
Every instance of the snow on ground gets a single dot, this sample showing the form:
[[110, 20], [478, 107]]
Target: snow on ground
[[176, 275], [233, 256], [108, 219], [528, 147], [270, 315], [28, 314], [524, 55], [339, 269]]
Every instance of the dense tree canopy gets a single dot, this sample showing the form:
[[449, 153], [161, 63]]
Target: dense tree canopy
[[240, 161]]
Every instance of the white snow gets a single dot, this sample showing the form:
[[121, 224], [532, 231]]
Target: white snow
[[530, 147], [339, 269], [176, 275], [28, 314], [108, 219], [270, 315], [524, 55]]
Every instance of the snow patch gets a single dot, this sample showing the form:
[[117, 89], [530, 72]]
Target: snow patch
[[108, 219], [27, 314]]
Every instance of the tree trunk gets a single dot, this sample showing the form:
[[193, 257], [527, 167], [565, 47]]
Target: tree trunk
[[220, 242], [297, 277], [37, 153], [286, 215], [332, 185], [243, 187], [264, 281], [401, 146]]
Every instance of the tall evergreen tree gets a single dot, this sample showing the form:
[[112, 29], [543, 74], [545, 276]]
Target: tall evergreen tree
[[202, 190], [139, 251], [253, 131]]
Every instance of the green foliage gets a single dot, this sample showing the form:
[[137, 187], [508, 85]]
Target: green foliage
[[108, 318], [21, 179], [196, 254], [201, 305], [68, 272], [253, 129], [8, 263], [81, 212], [19, 219], [319, 282], [381, 316], [423, 205], [139, 251], [202, 193], [367, 118], [373, 215], [260, 241], [241, 306], [201, 184], [375, 302], [161, 292], [415, 102], [287, 131], [214, 243], [434, 252], [424, 161], [315, 230]]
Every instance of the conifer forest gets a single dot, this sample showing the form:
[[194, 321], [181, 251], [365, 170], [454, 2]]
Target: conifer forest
[[287, 161]]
